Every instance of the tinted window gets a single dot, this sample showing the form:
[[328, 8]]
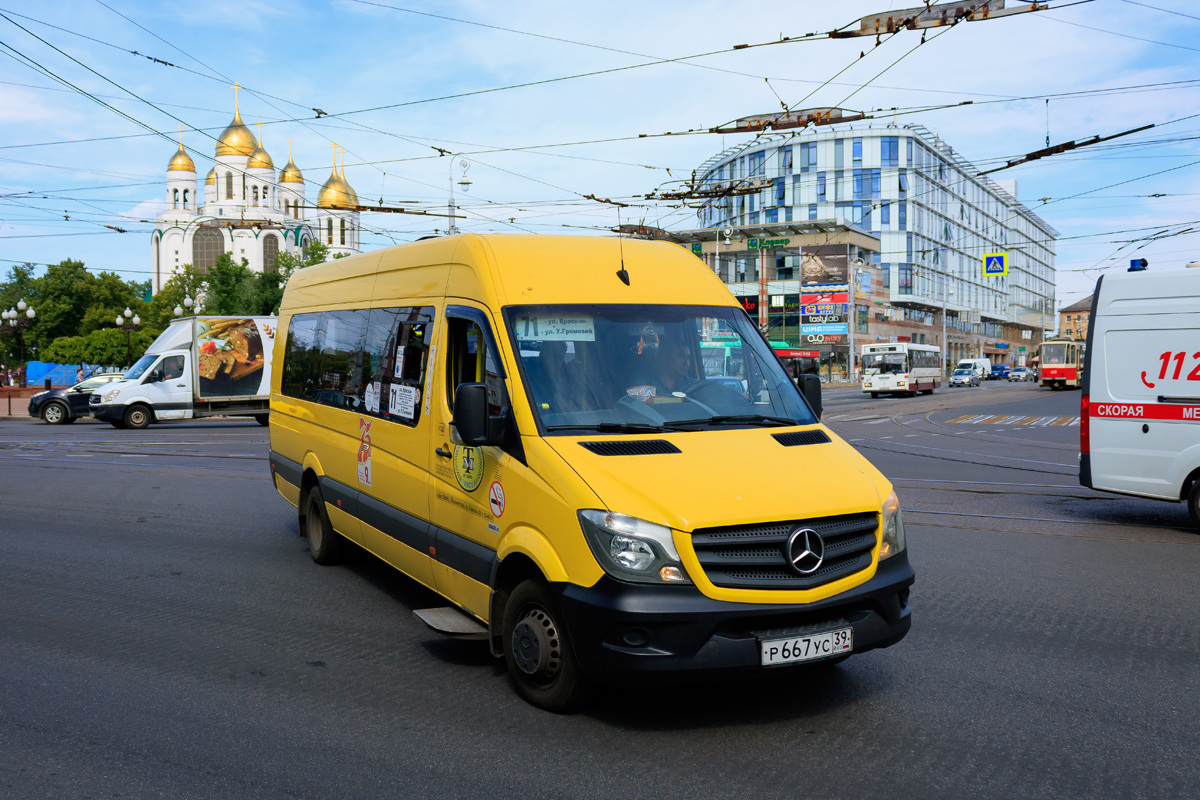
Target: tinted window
[[370, 361]]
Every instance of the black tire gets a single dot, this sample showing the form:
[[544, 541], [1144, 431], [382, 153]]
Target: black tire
[[55, 414], [538, 651], [874, 395], [263, 419], [1193, 503], [69, 420], [118, 425], [325, 545], [137, 417]]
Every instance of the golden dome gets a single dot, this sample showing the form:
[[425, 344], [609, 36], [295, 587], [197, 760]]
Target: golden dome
[[236, 140], [335, 192], [211, 180], [291, 173], [260, 159], [181, 162]]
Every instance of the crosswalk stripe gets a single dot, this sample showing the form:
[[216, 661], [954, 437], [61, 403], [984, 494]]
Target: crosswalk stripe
[[1009, 420], [1074, 421], [1061, 421], [1025, 420], [1043, 421], [991, 420], [959, 419]]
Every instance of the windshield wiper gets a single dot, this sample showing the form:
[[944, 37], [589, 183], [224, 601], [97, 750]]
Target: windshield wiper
[[734, 418], [611, 427]]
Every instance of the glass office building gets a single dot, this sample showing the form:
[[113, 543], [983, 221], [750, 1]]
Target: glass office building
[[934, 215]]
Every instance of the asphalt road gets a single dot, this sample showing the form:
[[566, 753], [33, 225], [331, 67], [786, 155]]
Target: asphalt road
[[165, 634]]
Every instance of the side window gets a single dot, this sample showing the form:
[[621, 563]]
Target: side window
[[171, 368], [397, 349], [370, 361], [472, 358]]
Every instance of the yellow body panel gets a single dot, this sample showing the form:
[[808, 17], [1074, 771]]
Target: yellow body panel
[[290, 491], [723, 477]]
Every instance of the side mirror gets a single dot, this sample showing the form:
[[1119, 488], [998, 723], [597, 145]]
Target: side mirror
[[471, 420], [810, 385], [156, 376]]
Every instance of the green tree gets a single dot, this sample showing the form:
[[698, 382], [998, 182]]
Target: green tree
[[108, 346], [187, 282], [230, 288], [65, 350]]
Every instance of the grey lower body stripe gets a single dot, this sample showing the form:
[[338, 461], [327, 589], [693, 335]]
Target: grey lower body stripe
[[287, 469], [401, 526], [457, 552]]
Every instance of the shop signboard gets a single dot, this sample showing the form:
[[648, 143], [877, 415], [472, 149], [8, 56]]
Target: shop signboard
[[824, 319], [822, 338], [787, 352], [804, 329], [826, 308]]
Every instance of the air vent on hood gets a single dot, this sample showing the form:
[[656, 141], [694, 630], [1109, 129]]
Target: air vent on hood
[[801, 437], [633, 447]]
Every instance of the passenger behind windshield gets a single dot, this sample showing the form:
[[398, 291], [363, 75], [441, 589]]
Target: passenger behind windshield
[[587, 366]]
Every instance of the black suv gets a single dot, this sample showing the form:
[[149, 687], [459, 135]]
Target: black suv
[[58, 406]]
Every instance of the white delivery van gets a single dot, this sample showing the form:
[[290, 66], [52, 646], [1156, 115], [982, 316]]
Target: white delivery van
[[1139, 424], [197, 367], [982, 366]]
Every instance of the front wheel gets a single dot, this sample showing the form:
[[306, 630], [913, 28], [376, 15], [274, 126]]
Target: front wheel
[[137, 417], [263, 419], [538, 652], [1193, 502], [874, 395], [55, 414]]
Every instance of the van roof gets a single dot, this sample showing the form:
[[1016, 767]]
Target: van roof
[[1135, 293], [517, 269]]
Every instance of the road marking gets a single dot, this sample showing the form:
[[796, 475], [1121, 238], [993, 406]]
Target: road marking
[[991, 420], [957, 420], [911, 435], [1026, 421], [877, 421], [1043, 421], [1061, 421], [885, 437], [1009, 420], [1074, 421]]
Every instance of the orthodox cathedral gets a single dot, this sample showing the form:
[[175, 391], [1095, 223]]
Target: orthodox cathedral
[[247, 209]]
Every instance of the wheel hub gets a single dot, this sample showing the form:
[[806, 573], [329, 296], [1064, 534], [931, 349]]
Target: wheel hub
[[535, 645]]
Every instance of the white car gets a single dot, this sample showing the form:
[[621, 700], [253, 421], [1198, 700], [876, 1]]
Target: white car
[[964, 377]]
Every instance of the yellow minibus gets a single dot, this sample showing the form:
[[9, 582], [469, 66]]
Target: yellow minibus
[[524, 425]]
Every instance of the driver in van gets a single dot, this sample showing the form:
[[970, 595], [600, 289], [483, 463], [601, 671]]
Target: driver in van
[[668, 371]]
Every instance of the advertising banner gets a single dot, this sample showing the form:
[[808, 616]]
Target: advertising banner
[[232, 356], [826, 308], [823, 268], [821, 295]]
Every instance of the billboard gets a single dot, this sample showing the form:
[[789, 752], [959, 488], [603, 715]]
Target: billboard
[[233, 356], [823, 268], [822, 295]]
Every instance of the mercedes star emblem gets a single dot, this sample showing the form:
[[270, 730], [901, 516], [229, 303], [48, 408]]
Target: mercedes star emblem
[[805, 551]]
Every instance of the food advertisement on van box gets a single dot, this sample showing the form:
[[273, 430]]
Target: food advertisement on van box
[[231, 356]]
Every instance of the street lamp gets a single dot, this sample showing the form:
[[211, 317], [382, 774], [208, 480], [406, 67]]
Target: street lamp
[[464, 182], [128, 322], [18, 319], [187, 304]]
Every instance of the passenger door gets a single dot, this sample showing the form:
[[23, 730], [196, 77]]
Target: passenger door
[[171, 393], [393, 508], [469, 482]]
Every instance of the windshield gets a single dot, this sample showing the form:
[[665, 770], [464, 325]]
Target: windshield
[[140, 367], [884, 363], [638, 368], [1054, 354], [963, 371]]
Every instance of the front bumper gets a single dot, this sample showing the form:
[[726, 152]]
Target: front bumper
[[643, 633], [108, 413]]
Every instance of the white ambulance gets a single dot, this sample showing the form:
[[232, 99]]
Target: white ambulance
[[1139, 425]]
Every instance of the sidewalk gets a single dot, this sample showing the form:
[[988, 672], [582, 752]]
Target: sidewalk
[[14, 402]]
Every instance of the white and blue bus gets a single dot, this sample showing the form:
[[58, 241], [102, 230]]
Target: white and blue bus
[[900, 368]]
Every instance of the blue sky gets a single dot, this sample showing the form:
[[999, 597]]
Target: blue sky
[[534, 151]]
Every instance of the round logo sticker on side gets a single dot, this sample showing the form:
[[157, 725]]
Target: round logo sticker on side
[[496, 498], [468, 466]]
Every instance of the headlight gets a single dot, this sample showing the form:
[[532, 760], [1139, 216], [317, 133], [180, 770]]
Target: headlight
[[893, 528], [632, 549], [110, 396]]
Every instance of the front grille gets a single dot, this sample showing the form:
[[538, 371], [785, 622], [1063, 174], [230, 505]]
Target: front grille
[[754, 557], [631, 447]]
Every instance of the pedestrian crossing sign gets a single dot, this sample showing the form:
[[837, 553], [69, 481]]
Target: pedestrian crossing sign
[[995, 264]]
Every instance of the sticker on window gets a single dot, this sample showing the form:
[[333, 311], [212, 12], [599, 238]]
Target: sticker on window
[[399, 371], [402, 401], [556, 328]]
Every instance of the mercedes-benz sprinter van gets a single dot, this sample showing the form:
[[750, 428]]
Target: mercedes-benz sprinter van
[[525, 425]]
